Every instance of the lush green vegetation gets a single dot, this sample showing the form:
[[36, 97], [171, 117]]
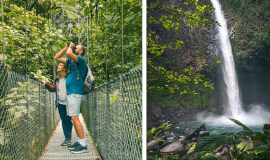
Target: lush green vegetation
[[178, 63], [249, 20], [106, 37], [243, 145], [31, 42]]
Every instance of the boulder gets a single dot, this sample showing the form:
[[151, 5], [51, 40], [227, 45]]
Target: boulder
[[194, 134], [152, 145], [172, 148]]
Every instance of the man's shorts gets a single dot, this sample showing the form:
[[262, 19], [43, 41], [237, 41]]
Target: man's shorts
[[74, 102]]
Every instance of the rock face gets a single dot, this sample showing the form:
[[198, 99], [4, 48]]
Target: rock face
[[157, 115], [172, 148], [266, 128], [156, 110]]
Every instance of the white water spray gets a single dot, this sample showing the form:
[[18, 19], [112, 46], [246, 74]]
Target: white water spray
[[257, 115]]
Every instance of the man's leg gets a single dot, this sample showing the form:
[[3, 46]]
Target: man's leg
[[78, 126], [74, 103]]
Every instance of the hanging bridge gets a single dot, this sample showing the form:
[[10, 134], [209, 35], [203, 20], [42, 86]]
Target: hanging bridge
[[28, 119], [30, 126]]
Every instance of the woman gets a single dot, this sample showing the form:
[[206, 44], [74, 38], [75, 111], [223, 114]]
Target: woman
[[59, 86]]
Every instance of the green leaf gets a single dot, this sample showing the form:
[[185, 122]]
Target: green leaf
[[210, 156], [245, 145], [191, 147], [241, 124]]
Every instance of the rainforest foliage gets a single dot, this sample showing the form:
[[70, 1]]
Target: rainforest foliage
[[249, 22], [30, 41], [178, 62]]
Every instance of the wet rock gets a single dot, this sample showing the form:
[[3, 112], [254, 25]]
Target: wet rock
[[152, 145], [172, 148], [204, 133], [194, 134], [181, 138], [188, 131]]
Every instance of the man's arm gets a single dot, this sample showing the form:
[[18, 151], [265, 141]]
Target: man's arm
[[59, 56], [70, 53]]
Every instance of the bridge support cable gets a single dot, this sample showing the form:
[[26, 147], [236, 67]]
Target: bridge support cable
[[122, 15], [3, 30]]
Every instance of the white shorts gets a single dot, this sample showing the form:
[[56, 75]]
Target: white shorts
[[74, 102]]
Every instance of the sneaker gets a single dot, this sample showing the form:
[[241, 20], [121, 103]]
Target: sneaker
[[66, 142], [70, 147], [79, 149]]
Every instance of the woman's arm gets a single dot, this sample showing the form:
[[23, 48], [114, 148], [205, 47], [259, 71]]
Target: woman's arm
[[51, 88]]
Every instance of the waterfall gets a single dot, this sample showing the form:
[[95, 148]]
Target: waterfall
[[256, 115], [234, 105]]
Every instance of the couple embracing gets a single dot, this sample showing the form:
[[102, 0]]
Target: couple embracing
[[68, 86]]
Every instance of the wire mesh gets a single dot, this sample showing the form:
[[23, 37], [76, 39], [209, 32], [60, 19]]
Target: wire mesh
[[113, 115], [27, 116]]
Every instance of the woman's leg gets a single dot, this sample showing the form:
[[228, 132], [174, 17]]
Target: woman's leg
[[68, 123], [65, 120]]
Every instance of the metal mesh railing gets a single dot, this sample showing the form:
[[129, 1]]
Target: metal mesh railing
[[113, 115], [27, 116]]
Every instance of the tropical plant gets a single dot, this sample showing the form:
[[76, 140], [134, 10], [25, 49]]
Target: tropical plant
[[157, 133], [244, 144]]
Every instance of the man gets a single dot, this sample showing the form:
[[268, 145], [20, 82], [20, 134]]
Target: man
[[77, 69], [59, 86]]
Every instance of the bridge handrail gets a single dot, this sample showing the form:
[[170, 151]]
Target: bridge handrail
[[28, 116], [113, 115]]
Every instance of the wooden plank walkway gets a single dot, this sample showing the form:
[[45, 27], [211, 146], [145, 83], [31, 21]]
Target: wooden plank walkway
[[54, 151]]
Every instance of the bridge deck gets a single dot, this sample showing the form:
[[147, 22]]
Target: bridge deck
[[54, 151]]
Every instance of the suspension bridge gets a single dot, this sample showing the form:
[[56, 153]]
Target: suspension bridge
[[30, 124], [30, 127]]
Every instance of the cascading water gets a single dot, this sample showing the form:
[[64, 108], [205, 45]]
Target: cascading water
[[234, 106], [256, 115]]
